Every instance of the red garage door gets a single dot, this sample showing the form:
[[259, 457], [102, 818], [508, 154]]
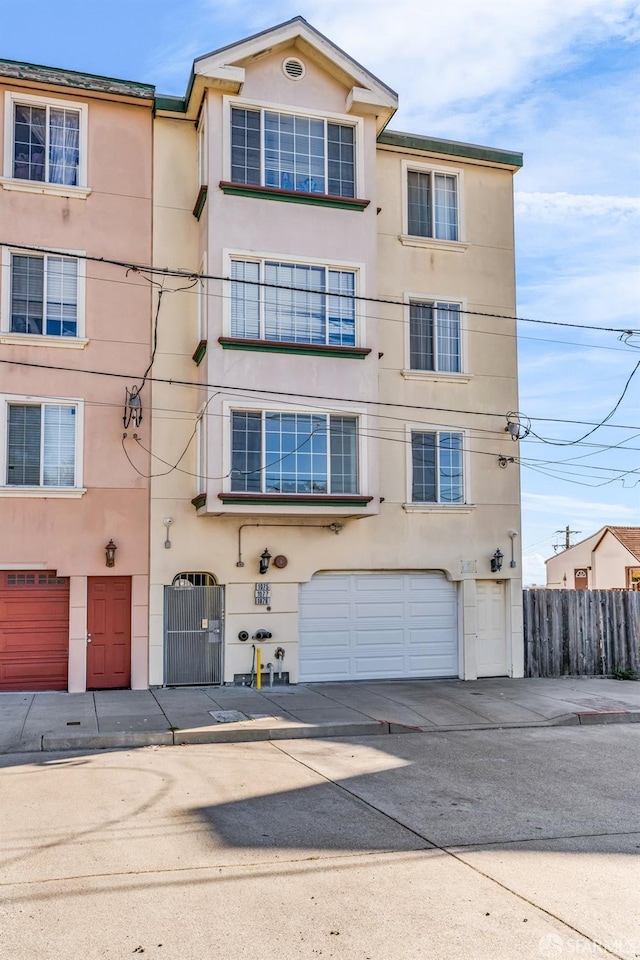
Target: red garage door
[[34, 630]]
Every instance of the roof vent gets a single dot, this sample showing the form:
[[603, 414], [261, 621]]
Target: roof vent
[[293, 68]]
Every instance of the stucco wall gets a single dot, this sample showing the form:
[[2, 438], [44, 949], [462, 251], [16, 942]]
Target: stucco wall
[[68, 534], [456, 540]]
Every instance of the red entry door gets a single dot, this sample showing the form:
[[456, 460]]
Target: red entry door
[[109, 633]]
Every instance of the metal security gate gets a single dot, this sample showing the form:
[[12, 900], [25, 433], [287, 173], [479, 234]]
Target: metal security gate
[[193, 618]]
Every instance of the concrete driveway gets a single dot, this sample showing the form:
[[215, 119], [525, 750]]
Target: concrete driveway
[[478, 845]]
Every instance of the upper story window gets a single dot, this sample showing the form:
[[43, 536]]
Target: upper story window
[[297, 453], [290, 152], [434, 336], [437, 467], [43, 296], [45, 140], [292, 303], [433, 204], [41, 444]]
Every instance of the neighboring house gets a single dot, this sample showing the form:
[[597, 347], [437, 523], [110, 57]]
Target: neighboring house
[[356, 360], [75, 183], [608, 560]]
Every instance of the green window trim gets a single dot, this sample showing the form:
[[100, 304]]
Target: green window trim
[[313, 500], [201, 199], [200, 501], [291, 196], [304, 349], [199, 352]]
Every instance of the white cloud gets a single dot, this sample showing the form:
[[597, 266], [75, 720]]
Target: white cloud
[[533, 569], [439, 54], [552, 207]]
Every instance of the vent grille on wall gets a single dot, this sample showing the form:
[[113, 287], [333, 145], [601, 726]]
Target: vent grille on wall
[[293, 68]]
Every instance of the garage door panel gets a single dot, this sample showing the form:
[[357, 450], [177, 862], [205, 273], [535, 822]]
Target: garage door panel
[[34, 630], [371, 640], [366, 667], [24, 639], [390, 625]]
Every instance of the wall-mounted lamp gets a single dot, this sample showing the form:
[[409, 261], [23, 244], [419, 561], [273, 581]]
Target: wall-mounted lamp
[[496, 561], [513, 534], [110, 553], [265, 560], [167, 542]]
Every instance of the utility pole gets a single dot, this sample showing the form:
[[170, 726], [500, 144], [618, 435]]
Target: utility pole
[[567, 537]]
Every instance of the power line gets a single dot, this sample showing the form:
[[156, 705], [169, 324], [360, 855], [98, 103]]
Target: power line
[[286, 394], [194, 275], [569, 443]]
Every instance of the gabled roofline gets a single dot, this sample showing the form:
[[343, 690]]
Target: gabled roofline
[[287, 23], [57, 76], [600, 534], [612, 530], [368, 93]]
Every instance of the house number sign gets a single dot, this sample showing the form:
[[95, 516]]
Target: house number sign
[[262, 594]]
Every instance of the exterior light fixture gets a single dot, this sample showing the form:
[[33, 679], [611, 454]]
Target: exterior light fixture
[[167, 542], [496, 561], [110, 552], [265, 560]]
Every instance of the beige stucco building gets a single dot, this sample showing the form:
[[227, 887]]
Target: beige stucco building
[[74, 333], [331, 396], [607, 560]]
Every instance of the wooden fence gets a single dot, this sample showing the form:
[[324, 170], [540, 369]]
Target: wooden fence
[[581, 632]]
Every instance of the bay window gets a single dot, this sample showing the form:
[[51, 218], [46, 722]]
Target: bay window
[[290, 152], [295, 453], [292, 303]]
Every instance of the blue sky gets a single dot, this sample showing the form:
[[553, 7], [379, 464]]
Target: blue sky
[[557, 81]]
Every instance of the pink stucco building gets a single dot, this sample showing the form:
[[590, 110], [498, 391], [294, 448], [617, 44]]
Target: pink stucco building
[[74, 334]]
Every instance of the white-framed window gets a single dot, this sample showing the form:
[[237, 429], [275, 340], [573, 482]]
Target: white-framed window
[[432, 202], [45, 140], [277, 300], [437, 467], [41, 443], [296, 152], [435, 336], [291, 452], [42, 294]]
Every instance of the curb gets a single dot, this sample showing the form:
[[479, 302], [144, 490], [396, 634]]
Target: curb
[[241, 733]]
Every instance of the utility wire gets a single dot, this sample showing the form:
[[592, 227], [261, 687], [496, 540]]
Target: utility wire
[[285, 394], [196, 276], [403, 320], [569, 443]]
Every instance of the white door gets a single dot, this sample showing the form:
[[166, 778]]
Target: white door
[[378, 626], [492, 633]]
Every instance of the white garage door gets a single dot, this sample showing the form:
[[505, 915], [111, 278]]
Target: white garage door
[[378, 626]]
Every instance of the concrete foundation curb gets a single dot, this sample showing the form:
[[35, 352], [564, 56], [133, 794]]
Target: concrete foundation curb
[[108, 741]]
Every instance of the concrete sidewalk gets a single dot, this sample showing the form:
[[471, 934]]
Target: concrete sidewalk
[[126, 718]]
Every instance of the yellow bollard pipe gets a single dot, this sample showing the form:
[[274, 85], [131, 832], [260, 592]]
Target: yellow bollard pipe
[[258, 668]]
